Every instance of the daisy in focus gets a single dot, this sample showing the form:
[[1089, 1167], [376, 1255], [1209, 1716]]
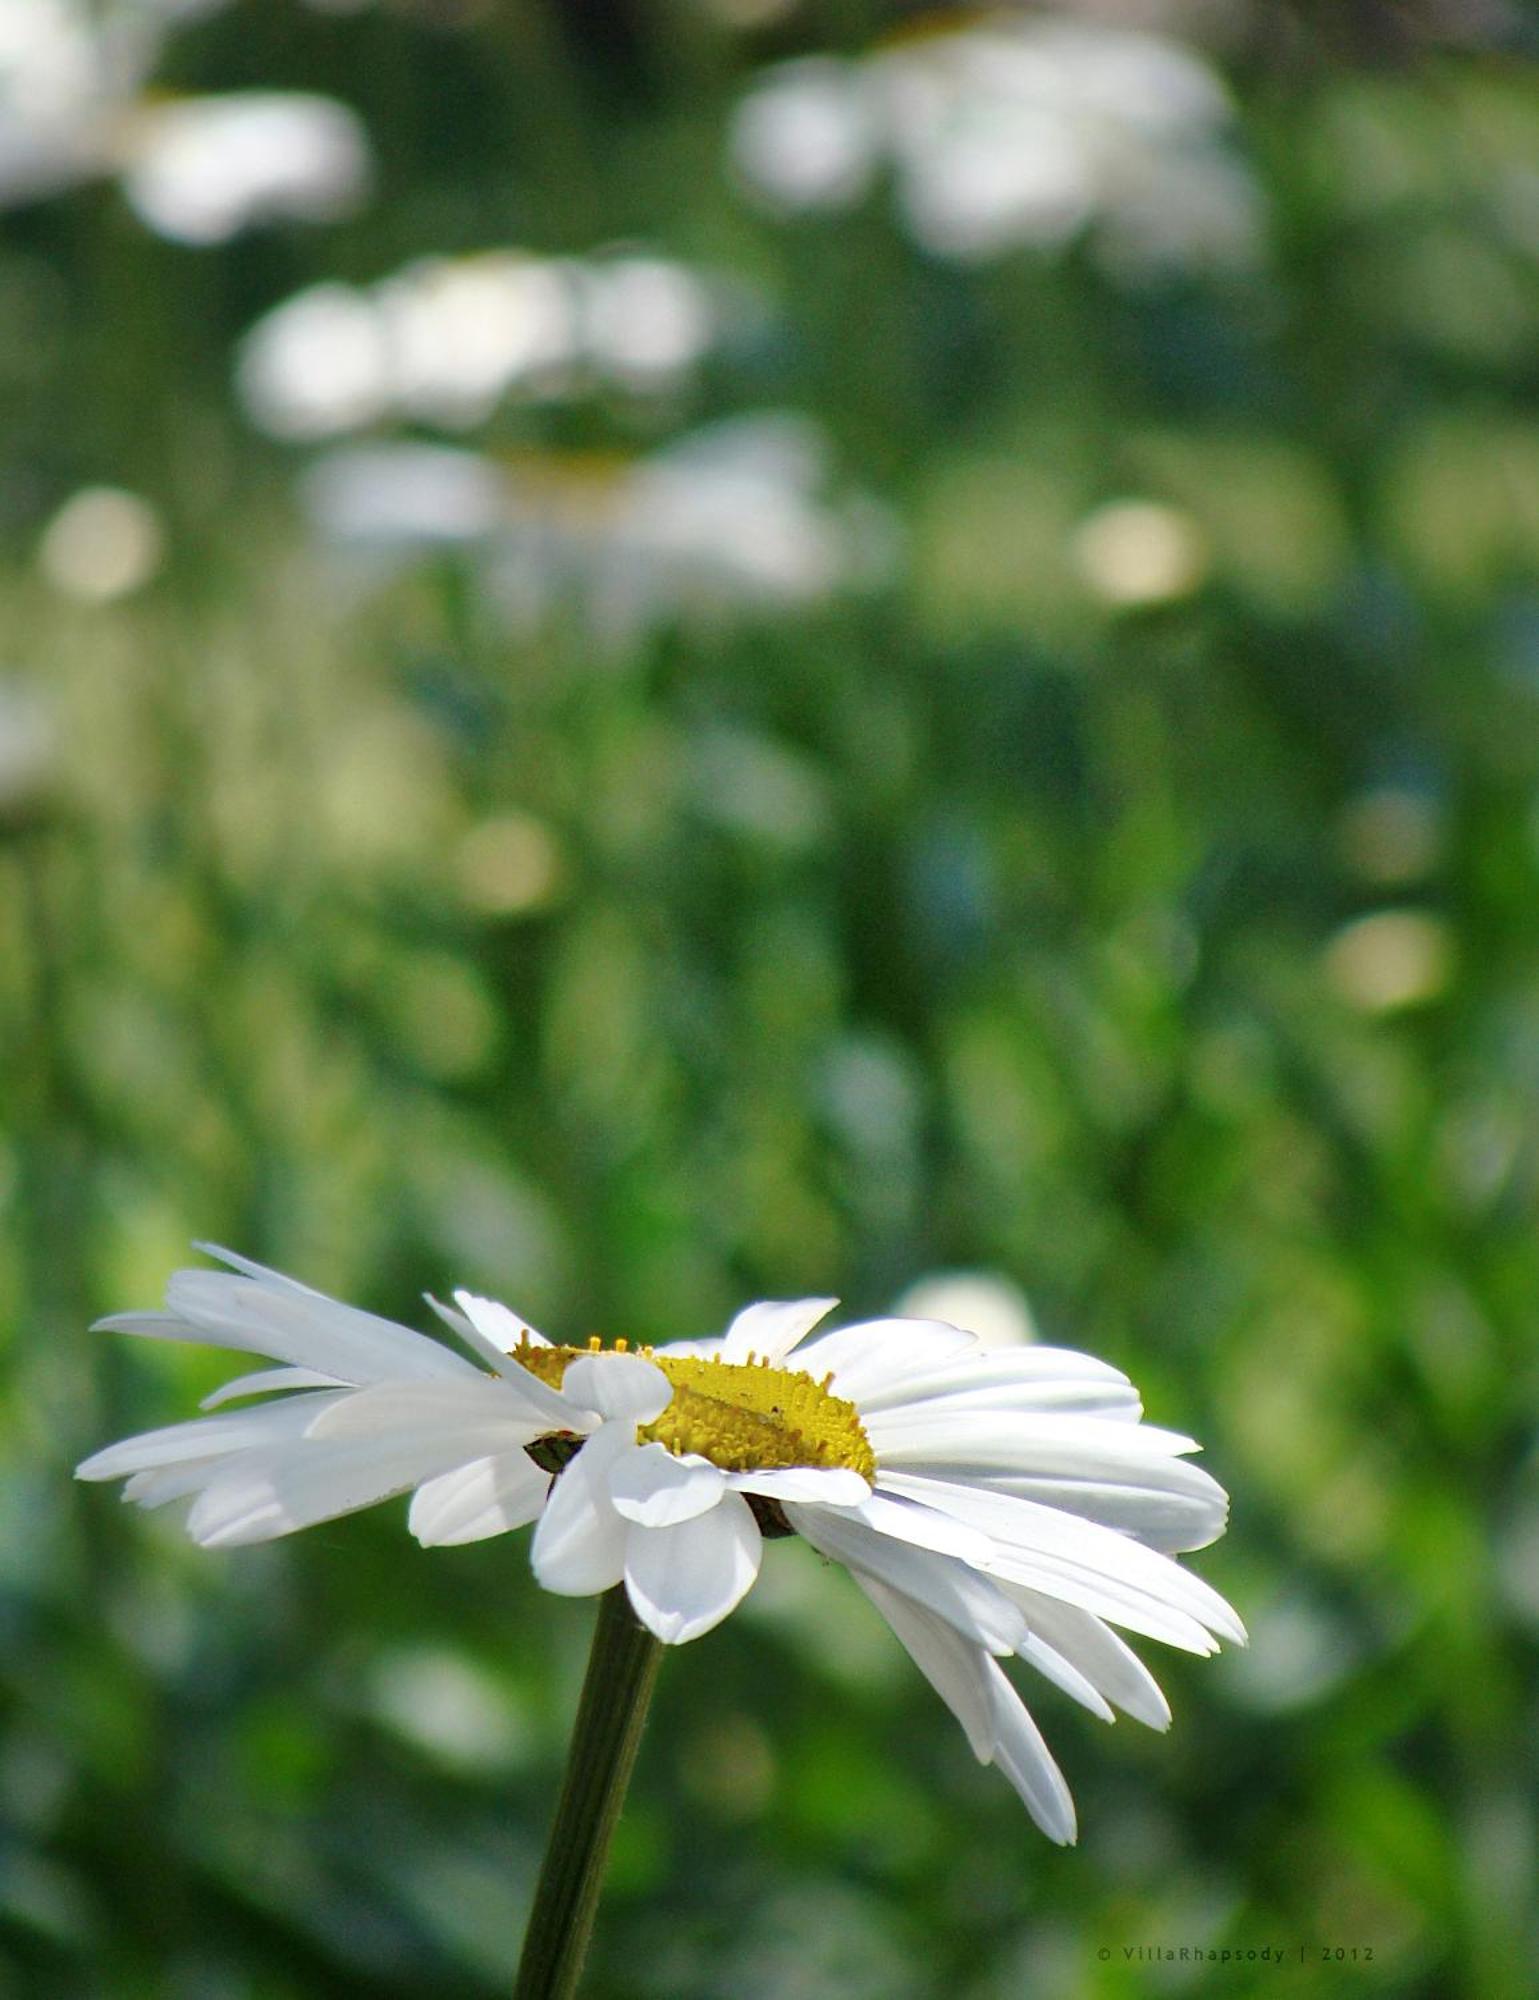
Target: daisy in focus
[[989, 1501]]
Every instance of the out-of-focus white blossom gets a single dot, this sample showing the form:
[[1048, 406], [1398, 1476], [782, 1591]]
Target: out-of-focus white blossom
[[646, 322], [808, 136], [74, 105], [1141, 552], [57, 73], [400, 498], [445, 340], [1391, 959], [316, 366], [735, 516], [102, 544], [1009, 131], [982, 1302], [199, 170]]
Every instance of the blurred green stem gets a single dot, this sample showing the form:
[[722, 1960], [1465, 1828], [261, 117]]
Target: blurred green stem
[[610, 1716]]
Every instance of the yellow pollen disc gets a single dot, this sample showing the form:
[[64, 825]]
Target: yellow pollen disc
[[742, 1416]]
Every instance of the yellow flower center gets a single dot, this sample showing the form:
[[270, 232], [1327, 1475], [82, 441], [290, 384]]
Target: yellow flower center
[[742, 1416]]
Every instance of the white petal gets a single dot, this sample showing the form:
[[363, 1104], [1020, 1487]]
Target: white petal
[[492, 1414], [1052, 1666], [1086, 1564], [925, 1528], [980, 1368], [618, 1385], [258, 1495], [1026, 1761], [504, 1329], [683, 1580], [269, 1314], [771, 1329], [948, 1661], [483, 1349], [1093, 1396], [264, 1274], [269, 1379], [876, 1353], [487, 1497], [653, 1488], [1018, 1442], [1175, 1508], [169, 1482], [964, 1598], [290, 1323], [579, 1545], [1111, 1667], [826, 1486], [975, 1689], [209, 1437]]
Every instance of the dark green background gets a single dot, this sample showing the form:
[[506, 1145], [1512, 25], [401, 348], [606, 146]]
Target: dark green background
[[1038, 962]]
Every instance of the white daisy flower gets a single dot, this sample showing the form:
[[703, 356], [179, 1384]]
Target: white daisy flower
[[989, 1501]]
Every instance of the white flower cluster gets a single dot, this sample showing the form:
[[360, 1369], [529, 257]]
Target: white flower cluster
[[1009, 132]]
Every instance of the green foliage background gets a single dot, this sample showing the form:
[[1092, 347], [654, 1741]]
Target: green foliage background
[[965, 921]]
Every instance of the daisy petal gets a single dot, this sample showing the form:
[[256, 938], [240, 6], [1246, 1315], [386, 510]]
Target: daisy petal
[[925, 1528], [208, 1437], [266, 1379], [494, 1322], [618, 1385], [1026, 1761], [879, 1352], [653, 1488], [492, 1413], [258, 1495], [1109, 1665], [684, 1580], [974, 1604], [291, 1323], [487, 1497], [975, 1689], [579, 1544], [771, 1329], [827, 1486], [971, 1372]]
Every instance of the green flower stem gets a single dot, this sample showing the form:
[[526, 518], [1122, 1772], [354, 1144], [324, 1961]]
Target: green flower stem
[[610, 1716]]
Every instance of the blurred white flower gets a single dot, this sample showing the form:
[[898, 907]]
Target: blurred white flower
[[734, 516], [58, 73], [807, 136], [316, 366], [199, 170], [1009, 131], [1391, 959], [74, 105], [646, 322], [102, 544], [446, 339], [984, 1302], [990, 1503], [733, 512], [461, 333], [390, 499], [1137, 552]]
